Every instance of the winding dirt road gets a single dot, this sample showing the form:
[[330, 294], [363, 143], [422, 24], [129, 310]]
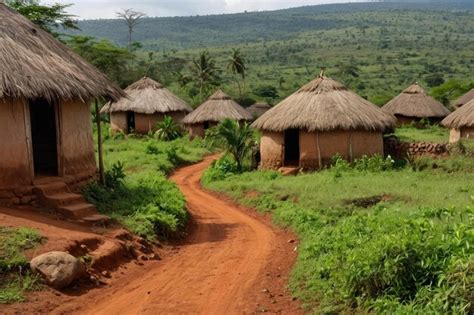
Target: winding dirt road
[[234, 262]]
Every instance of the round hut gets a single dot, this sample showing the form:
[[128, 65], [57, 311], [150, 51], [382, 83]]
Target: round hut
[[319, 121], [146, 104], [461, 123], [44, 112], [258, 109], [466, 98], [218, 107], [413, 105]]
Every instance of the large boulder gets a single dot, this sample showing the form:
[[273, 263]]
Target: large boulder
[[59, 269]]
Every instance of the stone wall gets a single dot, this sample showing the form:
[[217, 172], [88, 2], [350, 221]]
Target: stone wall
[[399, 149]]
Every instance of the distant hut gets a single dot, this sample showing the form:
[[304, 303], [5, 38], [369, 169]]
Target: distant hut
[[146, 104], [461, 123], [413, 105], [44, 112], [319, 121], [258, 109], [466, 98], [217, 108]]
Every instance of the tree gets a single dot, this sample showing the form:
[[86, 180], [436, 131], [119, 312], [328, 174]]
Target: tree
[[235, 138], [267, 91], [236, 65], [204, 73], [46, 17], [110, 59], [131, 18]]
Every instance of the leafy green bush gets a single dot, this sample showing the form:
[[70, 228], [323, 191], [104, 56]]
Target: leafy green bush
[[168, 130], [220, 169], [152, 149], [114, 178], [376, 163]]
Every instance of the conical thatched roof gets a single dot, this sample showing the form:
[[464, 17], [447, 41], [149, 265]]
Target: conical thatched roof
[[463, 117], [324, 104], [217, 108], [33, 64], [414, 102], [466, 98], [147, 96], [258, 109]]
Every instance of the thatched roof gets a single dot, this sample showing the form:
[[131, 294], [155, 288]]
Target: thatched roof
[[147, 96], [463, 117], [324, 104], [258, 109], [466, 98], [33, 64], [217, 108], [414, 102]]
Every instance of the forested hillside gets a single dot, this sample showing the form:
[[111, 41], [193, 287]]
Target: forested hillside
[[377, 49]]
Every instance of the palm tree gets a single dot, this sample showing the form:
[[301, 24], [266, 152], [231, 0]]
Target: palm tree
[[236, 65], [235, 138], [204, 72]]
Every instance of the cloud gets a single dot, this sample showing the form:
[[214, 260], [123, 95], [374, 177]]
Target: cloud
[[88, 9]]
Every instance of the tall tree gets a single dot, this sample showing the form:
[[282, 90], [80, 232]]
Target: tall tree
[[46, 17], [204, 73], [132, 18], [236, 65]]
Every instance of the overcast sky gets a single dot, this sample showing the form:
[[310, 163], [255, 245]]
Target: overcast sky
[[91, 9]]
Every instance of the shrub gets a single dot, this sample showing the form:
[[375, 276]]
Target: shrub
[[114, 178], [376, 163], [168, 130], [152, 149], [220, 169]]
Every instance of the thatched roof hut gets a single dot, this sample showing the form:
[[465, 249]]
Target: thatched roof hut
[[44, 114], [466, 98], [147, 102], [461, 122], [414, 104], [219, 106], [320, 120], [258, 109]]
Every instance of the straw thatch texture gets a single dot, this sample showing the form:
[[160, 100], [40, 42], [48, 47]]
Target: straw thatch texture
[[466, 98], [414, 102], [258, 109], [324, 104], [217, 108], [147, 96], [33, 64], [463, 117]]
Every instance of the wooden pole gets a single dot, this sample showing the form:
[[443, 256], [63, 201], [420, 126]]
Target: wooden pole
[[99, 142]]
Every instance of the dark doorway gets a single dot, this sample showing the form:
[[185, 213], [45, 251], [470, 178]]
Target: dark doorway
[[292, 147], [130, 122], [44, 136], [206, 125]]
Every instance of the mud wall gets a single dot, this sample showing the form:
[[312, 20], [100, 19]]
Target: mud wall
[[271, 150], [77, 147], [14, 149], [309, 152], [366, 143], [145, 123], [464, 133], [118, 122]]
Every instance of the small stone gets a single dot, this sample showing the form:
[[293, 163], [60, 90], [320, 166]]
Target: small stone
[[274, 302], [143, 257], [291, 241], [149, 292], [106, 274], [265, 290]]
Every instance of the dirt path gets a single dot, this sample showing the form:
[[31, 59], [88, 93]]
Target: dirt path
[[233, 262]]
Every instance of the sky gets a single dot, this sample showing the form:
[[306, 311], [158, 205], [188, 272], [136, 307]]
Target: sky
[[89, 9]]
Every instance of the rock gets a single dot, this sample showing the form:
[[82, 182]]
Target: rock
[[59, 269], [106, 274], [291, 241]]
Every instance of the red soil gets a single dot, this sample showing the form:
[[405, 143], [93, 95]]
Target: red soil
[[233, 262]]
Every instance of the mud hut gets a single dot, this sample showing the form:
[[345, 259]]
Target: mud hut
[[461, 123], [146, 104], [466, 98], [217, 108], [319, 121], [44, 112], [413, 105], [258, 109]]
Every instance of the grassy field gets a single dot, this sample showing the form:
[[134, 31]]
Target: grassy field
[[138, 194], [434, 134], [15, 278], [394, 241]]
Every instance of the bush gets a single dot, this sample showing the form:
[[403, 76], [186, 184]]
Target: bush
[[220, 169], [168, 130], [114, 178], [152, 149]]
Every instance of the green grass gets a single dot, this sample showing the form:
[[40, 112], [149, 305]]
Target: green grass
[[15, 279], [397, 241], [147, 202], [434, 134]]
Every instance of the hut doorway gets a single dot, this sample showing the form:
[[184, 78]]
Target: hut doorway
[[206, 125], [292, 147], [44, 138], [130, 122]]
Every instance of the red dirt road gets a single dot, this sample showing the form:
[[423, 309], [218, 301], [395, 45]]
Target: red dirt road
[[233, 262]]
